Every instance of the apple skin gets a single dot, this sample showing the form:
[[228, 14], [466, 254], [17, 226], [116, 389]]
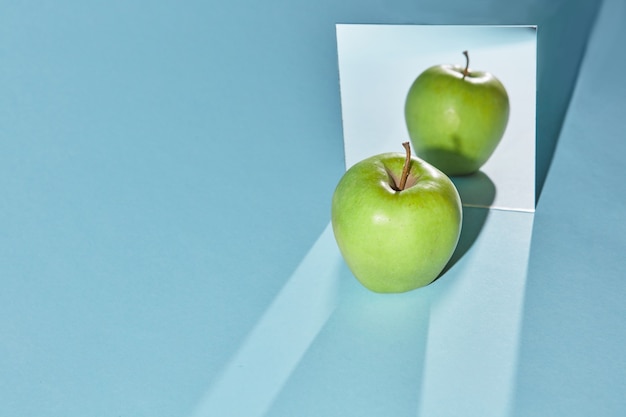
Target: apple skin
[[395, 241], [456, 123]]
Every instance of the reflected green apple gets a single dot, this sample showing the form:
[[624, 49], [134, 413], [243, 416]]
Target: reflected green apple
[[456, 117]]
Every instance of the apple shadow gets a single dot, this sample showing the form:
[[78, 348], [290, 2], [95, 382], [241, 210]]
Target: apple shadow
[[477, 192], [449, 161]]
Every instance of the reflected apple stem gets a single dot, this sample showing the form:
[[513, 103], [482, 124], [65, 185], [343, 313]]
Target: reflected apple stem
[[466, 70]]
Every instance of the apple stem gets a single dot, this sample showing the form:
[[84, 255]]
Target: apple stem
[[466, 70], [407, 163]]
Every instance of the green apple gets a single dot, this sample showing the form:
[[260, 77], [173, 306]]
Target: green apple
[[456, 117], [396, 220]]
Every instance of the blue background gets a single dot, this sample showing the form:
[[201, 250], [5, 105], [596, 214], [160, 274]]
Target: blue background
[[165, 166]]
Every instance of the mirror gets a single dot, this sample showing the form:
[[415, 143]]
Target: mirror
[[377, 66]]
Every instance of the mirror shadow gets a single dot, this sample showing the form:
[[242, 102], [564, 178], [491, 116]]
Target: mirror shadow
[[477, 192], [561, 43]]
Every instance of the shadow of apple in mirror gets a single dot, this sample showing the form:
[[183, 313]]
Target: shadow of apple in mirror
[[453, 162], [477, 193], [475, 190]]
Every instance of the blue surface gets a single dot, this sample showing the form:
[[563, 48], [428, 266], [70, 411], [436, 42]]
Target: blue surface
[[166, 171]]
